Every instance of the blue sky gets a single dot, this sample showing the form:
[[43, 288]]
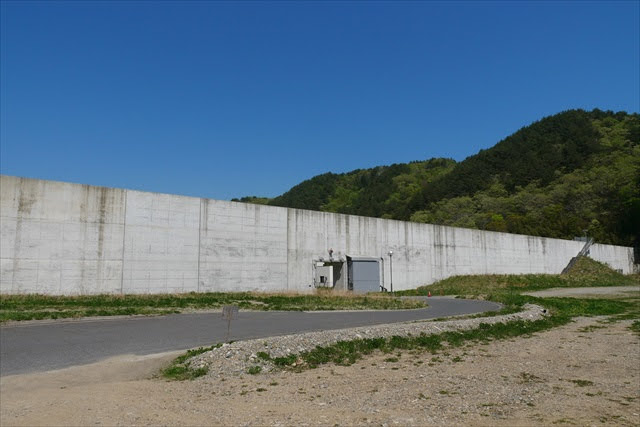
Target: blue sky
[[227, 99]]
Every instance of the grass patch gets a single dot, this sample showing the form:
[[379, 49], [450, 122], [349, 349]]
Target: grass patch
[[564, 421], [526, 377], [254, 370], [263, 355], [585, 273], [348, 352], [181, 369], [285, 360], [582, 383], [35, 307], [51, 313]]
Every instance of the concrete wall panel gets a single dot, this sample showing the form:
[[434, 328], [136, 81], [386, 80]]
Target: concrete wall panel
[[617, 257], [60, 238], [161, 243], [243, 247]]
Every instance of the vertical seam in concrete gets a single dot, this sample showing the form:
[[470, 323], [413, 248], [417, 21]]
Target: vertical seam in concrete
[[199, 239], [287, 249], [124, 233]]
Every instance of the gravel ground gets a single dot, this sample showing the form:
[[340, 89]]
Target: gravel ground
[[237, 357], [584, 373]]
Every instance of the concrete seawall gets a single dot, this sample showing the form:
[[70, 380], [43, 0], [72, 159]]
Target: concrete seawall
[[61, 239]]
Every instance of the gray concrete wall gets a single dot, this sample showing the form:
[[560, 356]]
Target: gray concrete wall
[[243, 247], [161, 246], [61, 238]]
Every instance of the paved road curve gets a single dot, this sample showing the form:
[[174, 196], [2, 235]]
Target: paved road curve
[[38, 346]]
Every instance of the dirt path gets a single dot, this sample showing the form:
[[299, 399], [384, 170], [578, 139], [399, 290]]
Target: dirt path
[[585, 373]]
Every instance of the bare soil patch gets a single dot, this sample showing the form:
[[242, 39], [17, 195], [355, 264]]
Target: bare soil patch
[[587, 372]]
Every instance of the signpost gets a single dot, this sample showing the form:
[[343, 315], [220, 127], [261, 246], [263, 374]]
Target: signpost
[[229, 312]]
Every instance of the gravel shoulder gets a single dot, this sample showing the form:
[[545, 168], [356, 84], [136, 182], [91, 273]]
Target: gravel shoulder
[[237, 358], [584, 373]]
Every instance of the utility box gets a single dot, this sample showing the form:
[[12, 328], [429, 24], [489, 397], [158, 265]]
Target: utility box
[[324, 276], [364, 274]]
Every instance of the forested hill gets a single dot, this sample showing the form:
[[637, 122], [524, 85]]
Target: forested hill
[[567, 173]]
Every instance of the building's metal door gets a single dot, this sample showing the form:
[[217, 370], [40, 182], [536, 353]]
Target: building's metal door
[[364, 275]]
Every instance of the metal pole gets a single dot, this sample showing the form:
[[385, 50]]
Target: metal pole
[[391, 271]]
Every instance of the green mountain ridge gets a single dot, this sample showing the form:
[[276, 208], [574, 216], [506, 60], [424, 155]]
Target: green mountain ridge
[[565, 175]]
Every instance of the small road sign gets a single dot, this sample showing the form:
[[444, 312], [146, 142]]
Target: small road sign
[[229, 312]]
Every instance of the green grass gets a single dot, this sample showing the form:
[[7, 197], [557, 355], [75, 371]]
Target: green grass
[[526, 377], [582, 383], [35, 307], [348, 352], [181, 369], [46, 313], [263, 355], [254, 370], [585, 273]]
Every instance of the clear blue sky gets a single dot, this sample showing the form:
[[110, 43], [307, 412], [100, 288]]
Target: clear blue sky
[[223, 100]]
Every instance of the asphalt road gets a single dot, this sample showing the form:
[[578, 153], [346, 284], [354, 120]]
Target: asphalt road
[[43, 346]]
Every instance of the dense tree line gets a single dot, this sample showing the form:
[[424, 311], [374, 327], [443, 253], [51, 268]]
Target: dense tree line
[[572, 173]]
